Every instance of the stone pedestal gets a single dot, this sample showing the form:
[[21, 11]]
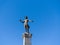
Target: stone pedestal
[[27, 38]]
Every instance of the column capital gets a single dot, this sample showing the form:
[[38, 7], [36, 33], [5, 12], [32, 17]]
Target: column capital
[[27, 35]]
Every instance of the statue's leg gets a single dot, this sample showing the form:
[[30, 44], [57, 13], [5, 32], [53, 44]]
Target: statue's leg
[[27, 28]]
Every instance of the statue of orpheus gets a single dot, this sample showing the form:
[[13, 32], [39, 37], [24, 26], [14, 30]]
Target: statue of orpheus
[[26, 26]]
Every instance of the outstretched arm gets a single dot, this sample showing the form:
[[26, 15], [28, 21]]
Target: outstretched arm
[[21, 21], [31, 21]]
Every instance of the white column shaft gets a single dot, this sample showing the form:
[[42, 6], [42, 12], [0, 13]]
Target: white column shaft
[[26, 41]]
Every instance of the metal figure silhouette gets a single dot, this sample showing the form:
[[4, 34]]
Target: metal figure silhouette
[[26, 26]]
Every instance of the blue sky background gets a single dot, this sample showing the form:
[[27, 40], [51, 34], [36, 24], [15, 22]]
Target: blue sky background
[[46, 25]]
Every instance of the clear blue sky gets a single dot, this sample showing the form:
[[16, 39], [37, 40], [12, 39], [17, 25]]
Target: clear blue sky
[[46, 25]]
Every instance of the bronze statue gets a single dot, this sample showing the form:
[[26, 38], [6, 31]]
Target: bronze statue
[[26, 23]]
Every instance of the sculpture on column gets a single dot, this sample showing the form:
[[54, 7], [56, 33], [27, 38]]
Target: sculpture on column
[[26, 26]]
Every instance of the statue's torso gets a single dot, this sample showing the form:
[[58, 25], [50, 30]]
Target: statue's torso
[[26, 22]]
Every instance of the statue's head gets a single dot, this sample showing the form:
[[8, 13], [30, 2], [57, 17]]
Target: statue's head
[[26, 17]]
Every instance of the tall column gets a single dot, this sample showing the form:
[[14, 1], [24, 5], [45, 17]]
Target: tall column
[[27, 38]]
